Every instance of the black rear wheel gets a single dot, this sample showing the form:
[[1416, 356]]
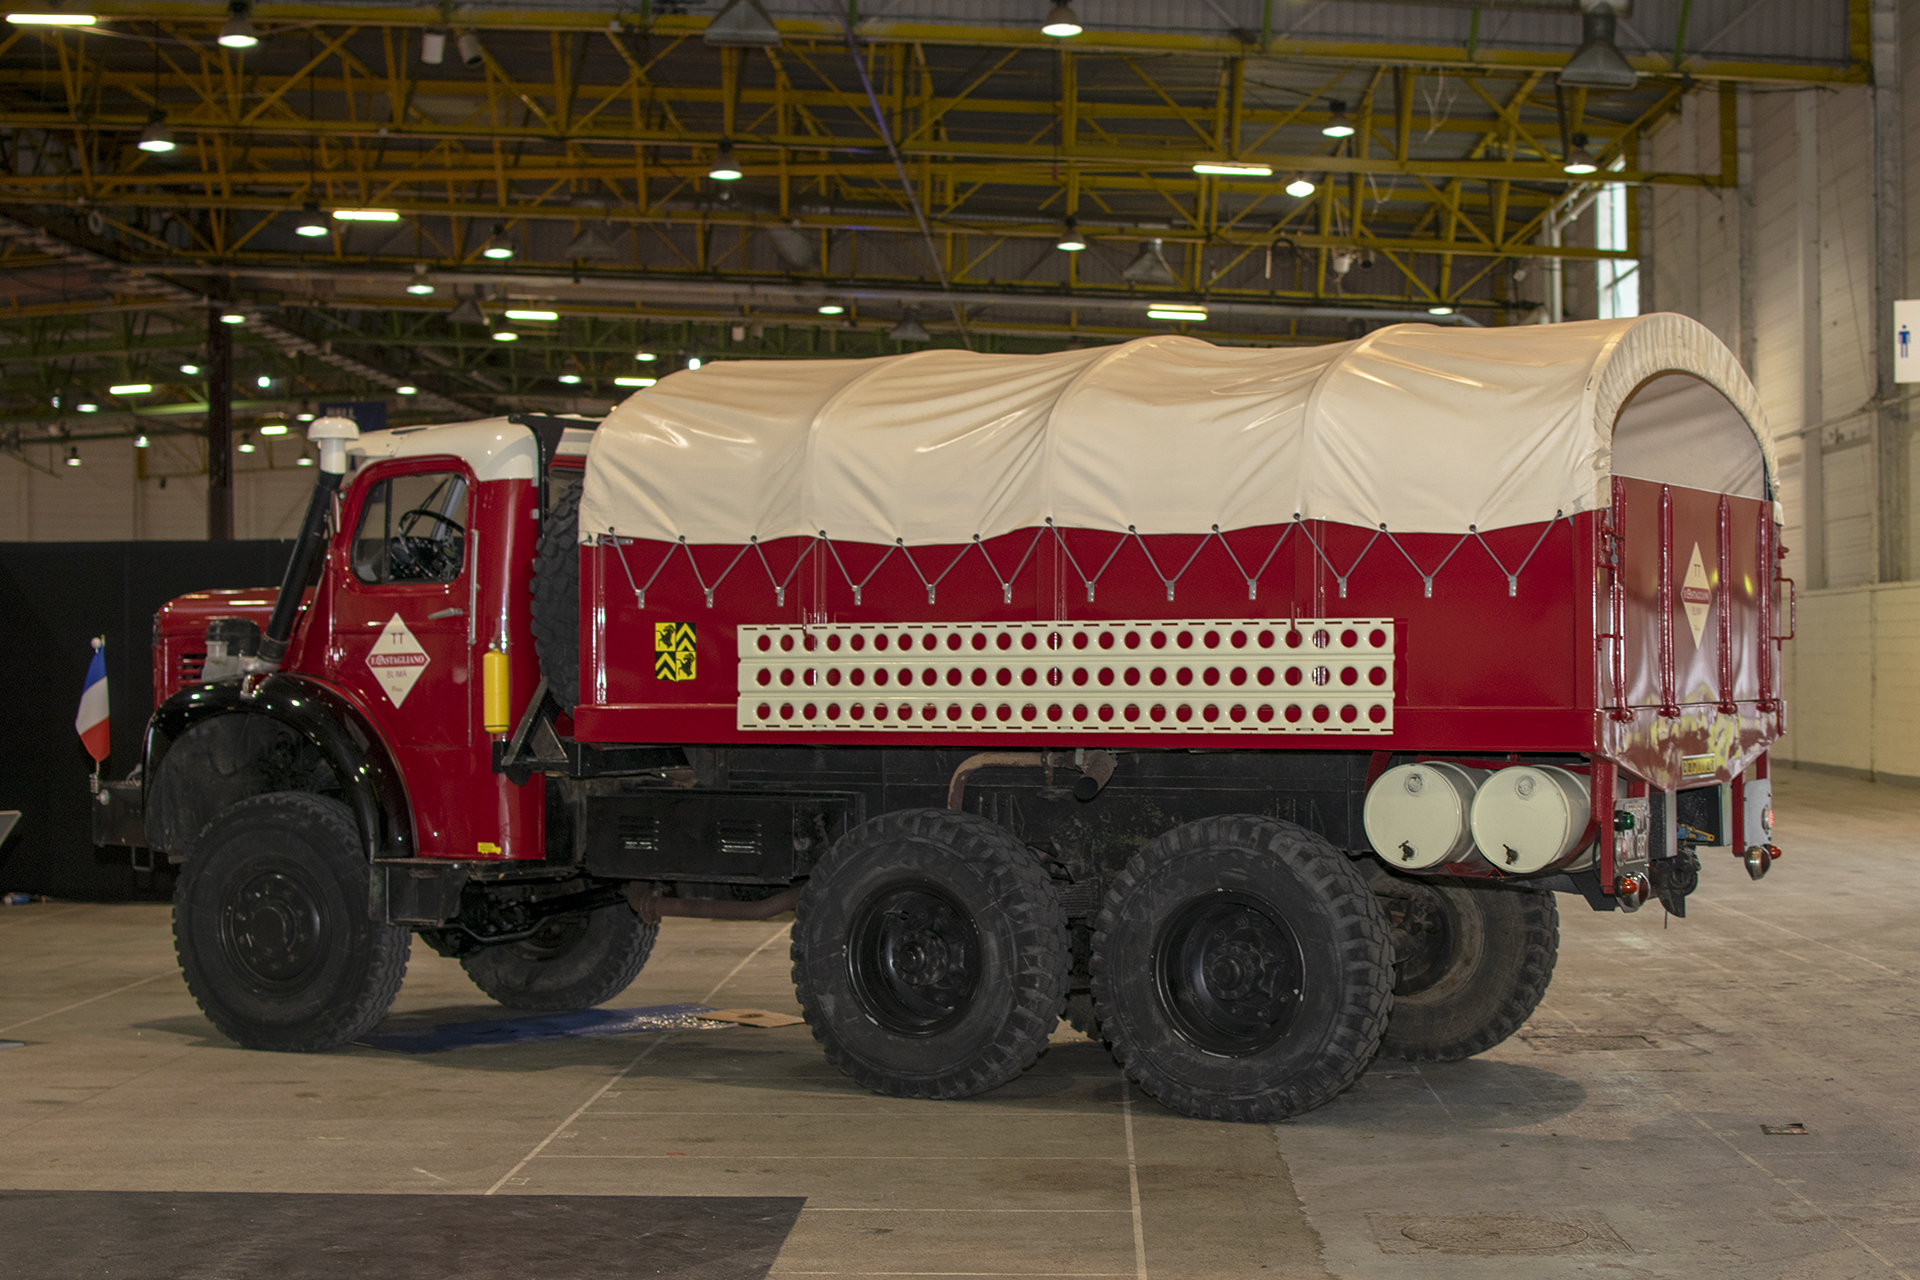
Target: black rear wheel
[[1241, 970], [271, 925], [930, 955], [1471, 963]]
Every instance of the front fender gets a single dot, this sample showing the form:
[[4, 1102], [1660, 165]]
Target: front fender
[[233, 733]]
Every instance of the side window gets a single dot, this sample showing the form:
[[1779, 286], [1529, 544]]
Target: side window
[[412, 529]]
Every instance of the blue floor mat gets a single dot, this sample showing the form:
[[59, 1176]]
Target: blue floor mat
[[585, 1024]]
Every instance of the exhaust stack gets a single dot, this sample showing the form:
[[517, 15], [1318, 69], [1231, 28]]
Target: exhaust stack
[[333, 435]]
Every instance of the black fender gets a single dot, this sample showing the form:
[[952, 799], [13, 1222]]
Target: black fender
[[247, 736]]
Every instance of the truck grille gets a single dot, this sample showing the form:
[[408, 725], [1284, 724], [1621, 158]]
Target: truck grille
[[191, 665]]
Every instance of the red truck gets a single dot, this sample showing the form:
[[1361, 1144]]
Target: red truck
[[1246, 706]]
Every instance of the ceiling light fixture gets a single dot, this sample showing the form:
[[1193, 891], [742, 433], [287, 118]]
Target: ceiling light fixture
[[742, 24], [52, 19], [1149, 267], [263, 381], [311, 223], [232, 317], [724, 167], [634, 382], [433, 47], [190, 369], [910, 329], [305, 461], [1233, 169], [1579, 161], [238, 31], [73, 455], [694, 362], [130, 389], [505, 335], [1439, 309], [1301, 187], [466, 311], [1062, 23], [246, 444], [471, 51], [274, 429], [497, 246], [420, 286], [1070, 241], [406, 389], [570, 371], [1173, 311], [87, 406], [156, 138], [532, 315], [365, 215], [831, 309], [140, 442], [1337, 125], [1598, 62], [646, 357]]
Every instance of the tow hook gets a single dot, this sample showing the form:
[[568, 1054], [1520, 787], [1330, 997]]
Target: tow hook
[[1631, 891], [1759, 858]]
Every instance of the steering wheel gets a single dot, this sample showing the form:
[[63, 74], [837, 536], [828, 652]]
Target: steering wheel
[[406, 520], [430, 558]]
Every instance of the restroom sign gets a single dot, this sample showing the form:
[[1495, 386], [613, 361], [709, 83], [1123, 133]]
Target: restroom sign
[[1906, 341]]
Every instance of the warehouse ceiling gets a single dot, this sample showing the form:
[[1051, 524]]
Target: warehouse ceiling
[[910, 168]]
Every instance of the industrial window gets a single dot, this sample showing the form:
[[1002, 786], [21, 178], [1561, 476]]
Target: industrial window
[[412, 529], [1618, 279]]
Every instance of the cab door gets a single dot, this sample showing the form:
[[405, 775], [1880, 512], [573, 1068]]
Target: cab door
[[403, 619]]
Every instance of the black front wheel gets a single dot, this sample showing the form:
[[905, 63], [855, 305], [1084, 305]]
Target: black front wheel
[[1241, 970], [271, 925], [930, 955], [569, 962]]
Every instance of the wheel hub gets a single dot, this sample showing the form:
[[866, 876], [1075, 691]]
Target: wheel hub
[[270, 923], [914, 956], [1229, 974]]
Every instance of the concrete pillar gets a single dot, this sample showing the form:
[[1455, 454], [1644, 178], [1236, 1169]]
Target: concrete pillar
[[1806, 127], [1889, 283]]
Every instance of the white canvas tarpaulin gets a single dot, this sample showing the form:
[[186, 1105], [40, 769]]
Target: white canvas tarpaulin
[[1416, 427]]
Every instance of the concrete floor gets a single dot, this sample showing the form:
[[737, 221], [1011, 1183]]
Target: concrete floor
[[1618, 1134]]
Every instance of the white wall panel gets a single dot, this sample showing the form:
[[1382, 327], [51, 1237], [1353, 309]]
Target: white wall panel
[[105, 500]]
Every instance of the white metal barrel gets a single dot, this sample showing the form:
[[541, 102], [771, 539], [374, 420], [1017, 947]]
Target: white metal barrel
[[1528, 817], [1417, 814]]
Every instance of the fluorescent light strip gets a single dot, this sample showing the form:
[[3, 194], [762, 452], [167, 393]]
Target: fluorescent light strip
[[130, 389], [1234, 170], [634, 382], [52, 19], [533, 315], [366, 215]]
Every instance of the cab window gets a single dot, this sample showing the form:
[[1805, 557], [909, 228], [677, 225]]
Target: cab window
[[412, 529]]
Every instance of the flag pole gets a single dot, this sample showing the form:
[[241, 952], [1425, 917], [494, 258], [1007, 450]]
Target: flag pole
[[93, 783]]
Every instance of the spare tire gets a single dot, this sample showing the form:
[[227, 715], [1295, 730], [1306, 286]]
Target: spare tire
[[556, 599]]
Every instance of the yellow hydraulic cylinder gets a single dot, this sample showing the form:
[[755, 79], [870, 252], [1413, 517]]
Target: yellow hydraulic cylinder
[[493, 692]]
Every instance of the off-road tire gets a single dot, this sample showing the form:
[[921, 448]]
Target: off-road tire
[[556, 599], [1241, 969], [1472, 962], [271, 925], [571, 962], [930, 955]]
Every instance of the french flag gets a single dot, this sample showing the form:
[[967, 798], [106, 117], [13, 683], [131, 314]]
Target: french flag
[[92, 720]]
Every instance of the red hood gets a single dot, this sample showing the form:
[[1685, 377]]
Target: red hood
[[189, 614]]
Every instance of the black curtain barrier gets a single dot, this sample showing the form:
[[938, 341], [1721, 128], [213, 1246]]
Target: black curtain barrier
[[54, 598]]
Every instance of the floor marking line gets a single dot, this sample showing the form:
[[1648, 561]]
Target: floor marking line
[[1815, 941], [90, 999], [1787, 1186], [644, 1054], [1133, 1182]]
